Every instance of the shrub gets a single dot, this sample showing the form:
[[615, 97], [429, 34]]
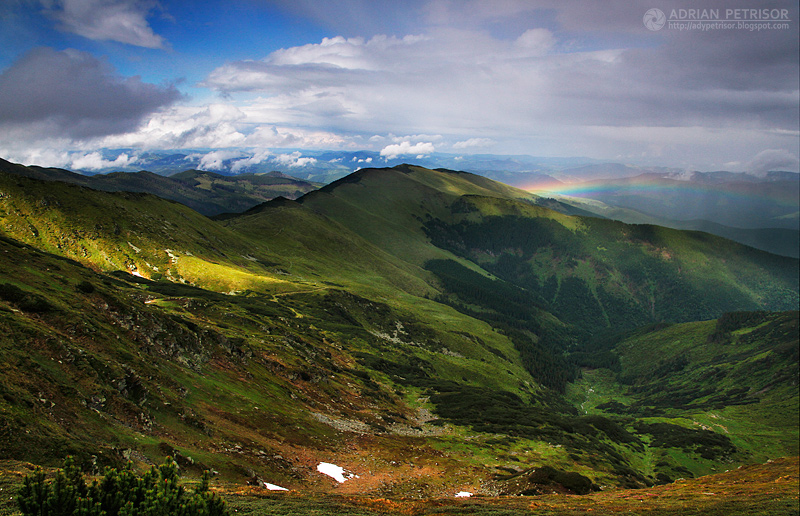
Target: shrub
[[118, 493], [11, 293], [549, 476], [85, 287], [26, 301]]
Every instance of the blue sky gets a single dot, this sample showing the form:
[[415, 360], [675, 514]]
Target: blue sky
[[538, 77]]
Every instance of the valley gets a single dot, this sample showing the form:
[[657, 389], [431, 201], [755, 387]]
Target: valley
[[430, 331]]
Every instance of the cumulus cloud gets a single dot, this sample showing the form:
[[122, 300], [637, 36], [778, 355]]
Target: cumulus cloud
[[41, 156], [220, 126], [544, 76], [72, 160], [293, 160], [258, 157], [407, 149], [186, 127], [95, 161], [515, 73], [773, 159], [265, 135], [124, 21], [215, 160], [73, 94]]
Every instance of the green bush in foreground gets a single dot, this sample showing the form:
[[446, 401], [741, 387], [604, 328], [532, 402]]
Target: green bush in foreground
[[118, 493]]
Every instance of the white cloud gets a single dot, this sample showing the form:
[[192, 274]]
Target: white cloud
[[449, 82], [294, 160], [124, 21], [72, 160], [536, 41], [255, 159], [773, 159], [47, 156], [536, 90], [407, 149], [95, 161], [302, 162], [215, 160], [544, 78], [277, 137], [474, 142], [182, 127], [221, 126]]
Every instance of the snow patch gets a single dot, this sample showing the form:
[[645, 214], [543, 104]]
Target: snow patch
[[273, 487], [463, 494], [338, 473]]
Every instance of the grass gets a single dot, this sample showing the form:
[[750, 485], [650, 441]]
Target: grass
[[206, 192], [763, 490], [596, 387], [322, 307]]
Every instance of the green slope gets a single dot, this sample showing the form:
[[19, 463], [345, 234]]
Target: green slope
[[736, 376], [338, 327], [206, 192], [594, 275], [118, 367], [599, 273], [781, 241], [134, 232], [387, 206]]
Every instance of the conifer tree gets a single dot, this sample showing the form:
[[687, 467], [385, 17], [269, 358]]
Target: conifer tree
[[118, 493]]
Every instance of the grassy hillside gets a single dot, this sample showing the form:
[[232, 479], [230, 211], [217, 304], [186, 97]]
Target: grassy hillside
[[134, 232], [206, 192], [781, 241], [735, 376], [397, 323], [598, 273], [119, 367], [763, 489]]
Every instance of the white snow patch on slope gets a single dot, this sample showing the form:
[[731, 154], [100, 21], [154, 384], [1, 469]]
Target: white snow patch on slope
[[338, 473], [463, 494], [273, 487]]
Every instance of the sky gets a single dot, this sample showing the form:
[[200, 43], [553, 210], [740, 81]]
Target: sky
[[708, 85]]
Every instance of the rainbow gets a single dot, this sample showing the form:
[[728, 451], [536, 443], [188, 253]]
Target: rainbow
[[733, 192]]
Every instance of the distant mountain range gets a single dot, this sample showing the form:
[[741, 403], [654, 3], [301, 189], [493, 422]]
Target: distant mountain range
[[424, 329], [325, 166], [736, 200], [206, 192], [760, 211], [763, 212]]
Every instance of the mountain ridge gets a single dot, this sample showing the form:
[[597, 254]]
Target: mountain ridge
[[398, 319], [206, 192]]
